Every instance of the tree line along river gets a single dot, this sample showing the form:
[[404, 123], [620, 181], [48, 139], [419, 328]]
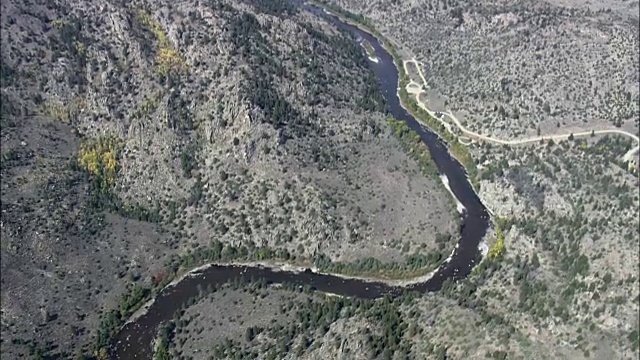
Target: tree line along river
[[134, 340]]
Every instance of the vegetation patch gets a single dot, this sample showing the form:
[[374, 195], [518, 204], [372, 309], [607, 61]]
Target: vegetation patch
[[497, 249], [412, 143], [147, 106], [129, 303], [99, 157], [414, 265], [162, 342], [168, 59], [71, 43], [65, 113], [458, 150]]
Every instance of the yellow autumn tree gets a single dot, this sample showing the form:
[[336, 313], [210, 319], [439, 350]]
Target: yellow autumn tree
[[90, 159], [498, 249], [167, 59], [102, 354], [99, 157]]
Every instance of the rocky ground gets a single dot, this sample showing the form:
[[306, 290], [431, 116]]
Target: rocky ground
[[563, 289], [566, 277], [259, 322], [151, 128], [569, 211], [132, 131], [228, 314], [516, 68]]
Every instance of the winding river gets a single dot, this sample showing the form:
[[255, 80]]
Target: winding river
[[134, 340]]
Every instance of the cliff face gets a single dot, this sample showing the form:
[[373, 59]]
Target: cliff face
[[132, 131]]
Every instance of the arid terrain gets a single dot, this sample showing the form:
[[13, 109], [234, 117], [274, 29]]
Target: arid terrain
[[567, 210], [514, 68], [137, 136], [573, 219], [134, 131], [563, 288]]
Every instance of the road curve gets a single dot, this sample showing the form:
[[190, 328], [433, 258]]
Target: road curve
[[412, 89]]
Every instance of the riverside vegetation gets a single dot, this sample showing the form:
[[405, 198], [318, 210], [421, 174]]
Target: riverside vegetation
[[249, 183], [577, 208], [535, 68], [481, 299], [458, 150], [153, 133]]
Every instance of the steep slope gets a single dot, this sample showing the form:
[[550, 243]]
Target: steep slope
[[135, 131], [565, 210]]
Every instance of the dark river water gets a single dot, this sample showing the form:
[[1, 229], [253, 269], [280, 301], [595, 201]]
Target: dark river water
[[134, 341]]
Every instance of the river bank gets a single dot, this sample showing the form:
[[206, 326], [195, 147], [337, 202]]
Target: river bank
[[456, 149], [134, 338], [279, 266]]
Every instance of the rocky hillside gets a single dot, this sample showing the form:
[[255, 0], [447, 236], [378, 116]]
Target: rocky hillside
[[521, 68], [134, 131]]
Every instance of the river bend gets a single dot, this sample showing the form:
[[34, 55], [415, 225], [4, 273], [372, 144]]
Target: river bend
[[134, 340]]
